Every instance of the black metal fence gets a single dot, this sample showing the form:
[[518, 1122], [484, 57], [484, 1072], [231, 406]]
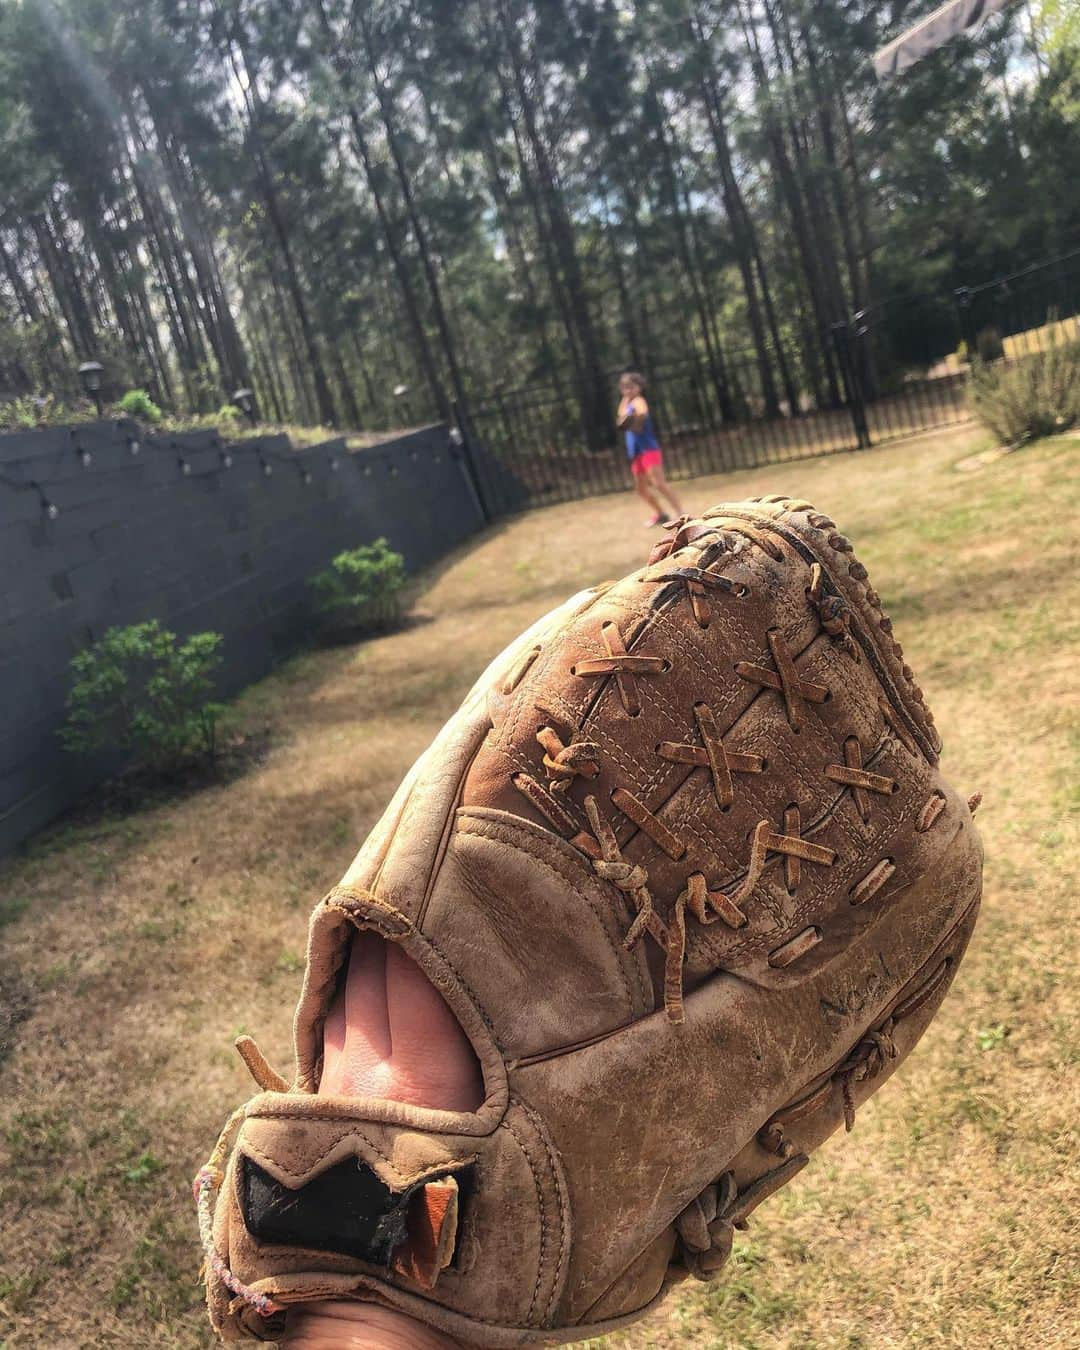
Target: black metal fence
[[896, 370]]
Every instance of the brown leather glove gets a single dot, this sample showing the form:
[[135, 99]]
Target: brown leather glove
[[685, 872]]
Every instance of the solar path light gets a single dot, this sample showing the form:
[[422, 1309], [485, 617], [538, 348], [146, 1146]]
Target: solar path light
[[90, 373], [245, 401]]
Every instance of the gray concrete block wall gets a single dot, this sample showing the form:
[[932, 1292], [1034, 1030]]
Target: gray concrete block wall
[[157, 527]]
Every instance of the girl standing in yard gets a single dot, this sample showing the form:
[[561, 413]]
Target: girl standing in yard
[[643, 449]]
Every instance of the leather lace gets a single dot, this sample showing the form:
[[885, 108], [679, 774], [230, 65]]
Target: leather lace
[[570, 756]]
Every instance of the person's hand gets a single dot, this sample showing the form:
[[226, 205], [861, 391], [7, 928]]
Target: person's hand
[[388, 1034], [359, 1326]]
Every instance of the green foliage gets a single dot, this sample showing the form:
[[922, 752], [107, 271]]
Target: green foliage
[[145, 1167], [992, 1037], [988, 344], [228, 416], [138, 690], [900, 191], [31, 410], [138, 403], [1059, 25], [1035, 396], [361, 589]]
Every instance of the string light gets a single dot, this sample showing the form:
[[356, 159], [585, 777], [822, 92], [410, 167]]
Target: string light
[[226, 461], [49, 508]]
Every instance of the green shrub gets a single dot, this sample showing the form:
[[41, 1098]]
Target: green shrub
[[988, 344], [1035, 396], [361, 589], [33, 410], [139, 691], [138, 403], [228, 416]]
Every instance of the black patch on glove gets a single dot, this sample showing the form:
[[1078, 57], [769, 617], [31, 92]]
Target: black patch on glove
[[345, 1209]]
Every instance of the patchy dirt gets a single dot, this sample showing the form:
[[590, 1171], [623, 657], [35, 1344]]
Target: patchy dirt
[[139, 788], [16, 1005]]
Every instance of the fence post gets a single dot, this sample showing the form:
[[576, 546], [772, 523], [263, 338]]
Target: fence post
[[962, 297], [841, 334], [461, 438]]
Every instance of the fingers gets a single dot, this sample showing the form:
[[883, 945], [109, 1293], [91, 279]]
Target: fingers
[[390, 1034], [359, 1326]]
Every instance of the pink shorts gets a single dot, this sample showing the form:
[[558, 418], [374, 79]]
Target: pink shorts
[[648, 459]]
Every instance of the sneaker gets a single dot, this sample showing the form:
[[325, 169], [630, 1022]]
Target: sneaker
[[657, 520]]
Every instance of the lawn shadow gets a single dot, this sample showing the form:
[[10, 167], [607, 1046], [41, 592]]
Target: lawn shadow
[[140, 788]]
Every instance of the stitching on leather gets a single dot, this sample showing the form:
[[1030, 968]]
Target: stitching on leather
[[613, 940], [252, 1150], [618, 674], [543, 1214], [538, 1126], [851, 867], [711, 946], [465, 985], [470, 874]]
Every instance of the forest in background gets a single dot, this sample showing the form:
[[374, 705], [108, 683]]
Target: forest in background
[[367, 209]]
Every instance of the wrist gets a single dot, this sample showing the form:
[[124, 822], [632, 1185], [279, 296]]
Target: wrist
[[340, 1325]]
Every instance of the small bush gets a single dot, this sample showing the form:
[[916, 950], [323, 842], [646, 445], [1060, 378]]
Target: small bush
[[361, 589], [1036, 396], [988, 345], [139, 691], [228, 416], [138, 403], [41, 410]]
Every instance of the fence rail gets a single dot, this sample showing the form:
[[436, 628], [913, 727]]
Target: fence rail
[[528, 464], [876, 379]]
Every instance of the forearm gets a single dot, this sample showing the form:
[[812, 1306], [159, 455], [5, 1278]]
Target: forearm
[[359, 1326]]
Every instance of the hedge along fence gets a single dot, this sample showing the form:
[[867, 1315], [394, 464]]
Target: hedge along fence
[[104, 525]]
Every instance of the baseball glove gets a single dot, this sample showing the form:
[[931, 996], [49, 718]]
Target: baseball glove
[[684, 871]]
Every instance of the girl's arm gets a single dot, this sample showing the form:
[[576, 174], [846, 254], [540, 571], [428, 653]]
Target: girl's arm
[[632, 414]]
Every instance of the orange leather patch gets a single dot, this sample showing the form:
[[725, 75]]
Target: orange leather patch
[[432, 1233]]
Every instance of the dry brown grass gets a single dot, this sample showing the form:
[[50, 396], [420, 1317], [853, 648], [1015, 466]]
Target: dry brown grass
[[137, 947]]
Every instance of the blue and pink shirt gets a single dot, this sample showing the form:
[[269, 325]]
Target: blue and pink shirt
[[637, 442]]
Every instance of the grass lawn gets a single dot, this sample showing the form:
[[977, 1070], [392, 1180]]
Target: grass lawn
[[134, 949]]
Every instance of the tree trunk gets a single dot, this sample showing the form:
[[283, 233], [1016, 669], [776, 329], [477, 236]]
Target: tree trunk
[[792, 197], [691, 270], [505, 213], [386, 109], [69, 304], [738, 218], [323, 400], [340, 64], [596, 408], [345, 387]]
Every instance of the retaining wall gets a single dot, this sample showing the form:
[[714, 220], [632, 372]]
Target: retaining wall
[[102, 525]]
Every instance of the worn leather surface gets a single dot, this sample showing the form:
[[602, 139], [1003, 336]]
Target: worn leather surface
[[641, 1099]]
